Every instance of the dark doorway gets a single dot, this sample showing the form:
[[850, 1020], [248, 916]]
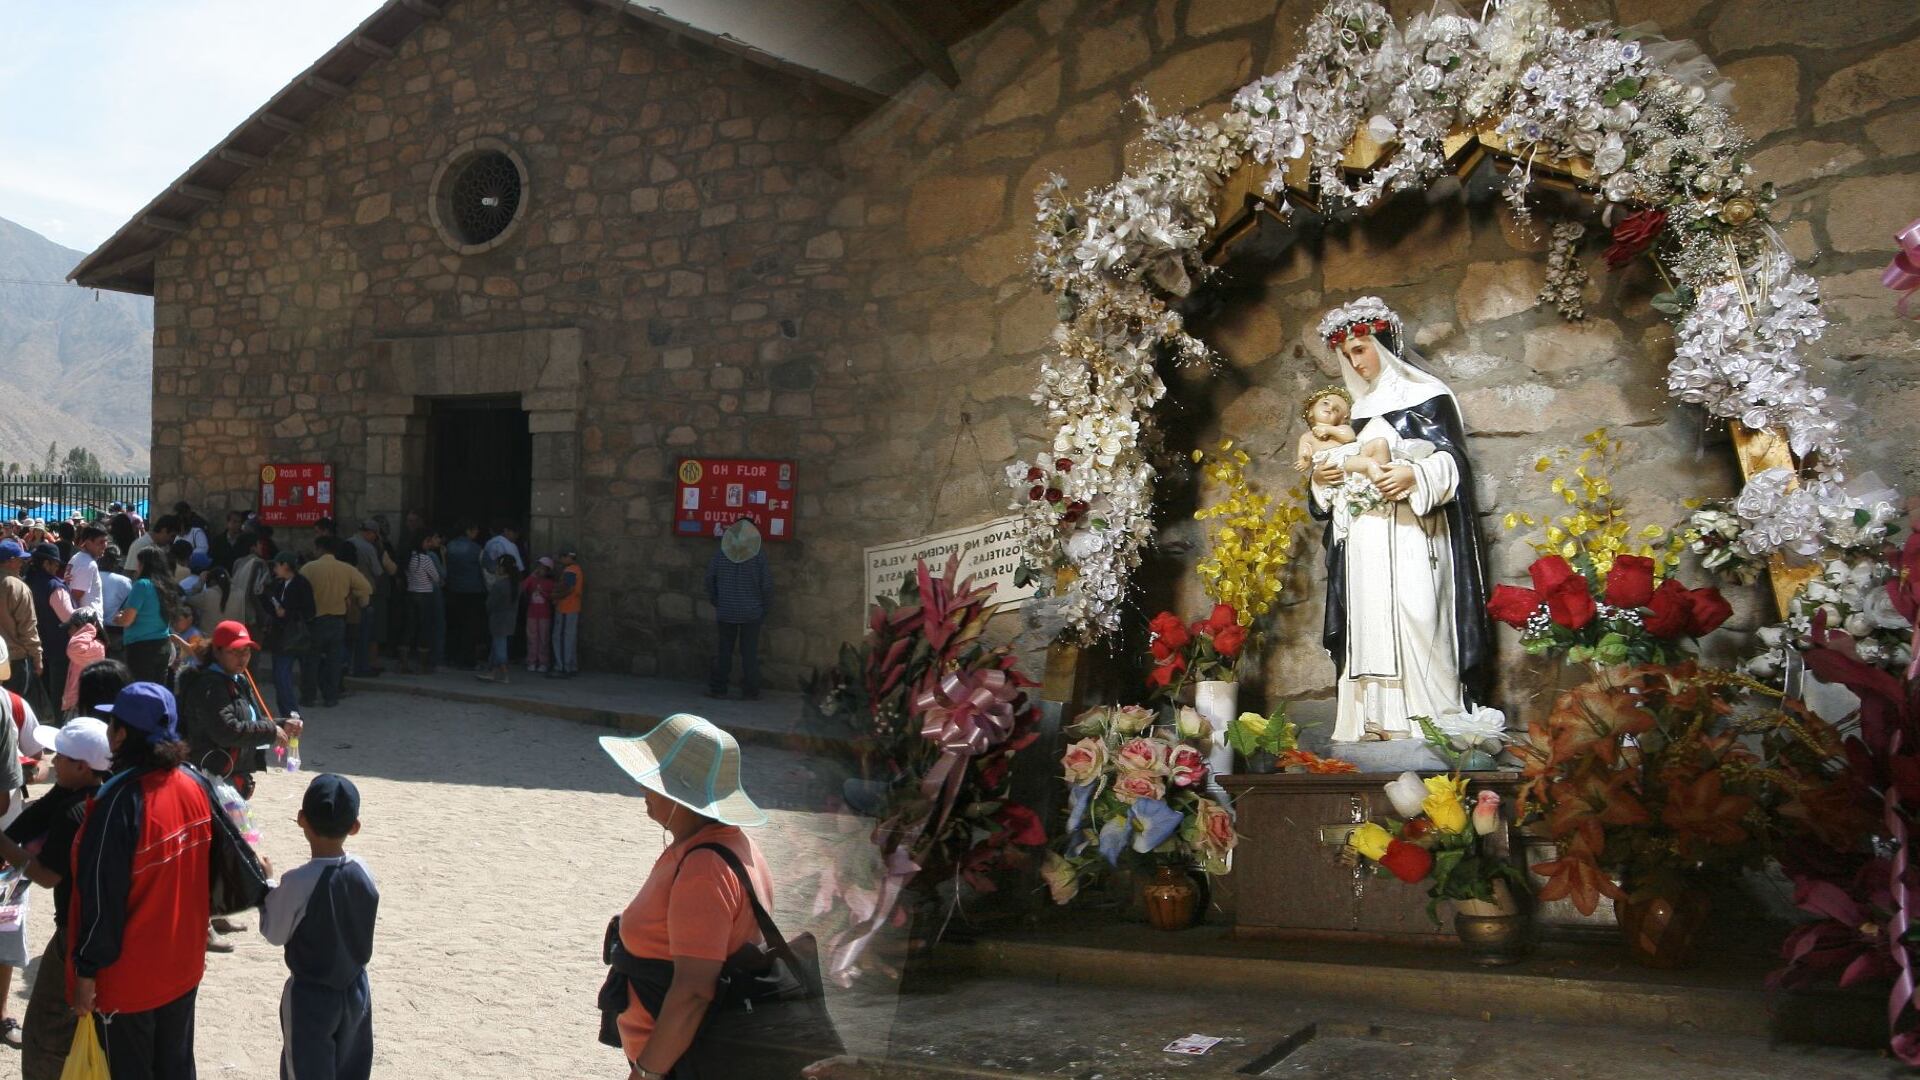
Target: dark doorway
[[480, 462]]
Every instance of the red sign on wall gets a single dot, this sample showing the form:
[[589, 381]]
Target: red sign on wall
[[716, 492], [298, 494]]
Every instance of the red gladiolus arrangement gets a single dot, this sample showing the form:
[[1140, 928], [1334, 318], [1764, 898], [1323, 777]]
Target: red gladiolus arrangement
[[1618, 617], [1197, 652]]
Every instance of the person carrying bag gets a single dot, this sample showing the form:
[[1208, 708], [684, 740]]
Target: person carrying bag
[[702, 984]]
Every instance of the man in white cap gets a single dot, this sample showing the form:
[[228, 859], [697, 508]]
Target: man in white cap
[[81, 761], [740, 587]]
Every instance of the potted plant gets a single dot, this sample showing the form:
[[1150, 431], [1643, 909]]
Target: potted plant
[[1260, 740], [1653, 780], [1201, 657], [1139, 792], [1440, 839]]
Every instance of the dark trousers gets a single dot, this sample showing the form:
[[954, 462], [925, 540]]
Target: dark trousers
[[21, 681], [147, 660], [152, 1045], [427, 626], [327, 1034], [286, 688], [466, 628], [48, 1026], [747, 637], [320, 673]]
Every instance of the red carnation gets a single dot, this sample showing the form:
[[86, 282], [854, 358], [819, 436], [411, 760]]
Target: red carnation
[[1168, 630], [1513, 605], [1548, 572], [1635, 234], [1668, 610], [1706, 610], [1408, 862], [1228, 642], [1570, 604], [1630, 582]]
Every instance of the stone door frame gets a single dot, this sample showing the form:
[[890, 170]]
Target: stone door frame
[[541, 368]]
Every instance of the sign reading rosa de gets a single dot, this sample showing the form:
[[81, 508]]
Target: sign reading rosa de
[[989, 554]]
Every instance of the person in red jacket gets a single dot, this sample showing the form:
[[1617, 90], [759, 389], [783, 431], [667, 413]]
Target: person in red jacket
[[138, 934]]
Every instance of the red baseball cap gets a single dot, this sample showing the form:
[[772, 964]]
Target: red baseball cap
[[233, 635]]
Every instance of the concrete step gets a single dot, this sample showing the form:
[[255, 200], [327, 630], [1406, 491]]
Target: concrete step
[[1588, 984]]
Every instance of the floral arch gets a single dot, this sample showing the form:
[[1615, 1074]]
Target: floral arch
[[1370, 108]]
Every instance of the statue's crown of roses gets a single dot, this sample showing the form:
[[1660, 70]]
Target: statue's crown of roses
[[1367, 316]]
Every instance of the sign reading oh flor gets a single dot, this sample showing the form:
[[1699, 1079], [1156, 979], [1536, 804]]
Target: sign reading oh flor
[[713, 493]]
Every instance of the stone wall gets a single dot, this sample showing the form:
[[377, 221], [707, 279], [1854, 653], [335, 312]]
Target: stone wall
[[672, 288], [752, 271], [945, 179]]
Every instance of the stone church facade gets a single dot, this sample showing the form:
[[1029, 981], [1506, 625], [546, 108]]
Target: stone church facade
[[715, 260]]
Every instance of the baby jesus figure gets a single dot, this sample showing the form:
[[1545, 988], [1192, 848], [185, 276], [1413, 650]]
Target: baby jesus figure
[[1330, 439]]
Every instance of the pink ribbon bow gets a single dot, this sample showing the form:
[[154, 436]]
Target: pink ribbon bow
[[1903, 273]]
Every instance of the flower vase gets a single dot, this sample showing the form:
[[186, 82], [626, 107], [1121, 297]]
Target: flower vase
[[1495, 932], [1219, 702], [1171, 898], [1262, 762], [1661, 929]]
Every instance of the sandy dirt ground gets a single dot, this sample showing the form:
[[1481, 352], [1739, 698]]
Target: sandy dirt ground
[[502, 844]]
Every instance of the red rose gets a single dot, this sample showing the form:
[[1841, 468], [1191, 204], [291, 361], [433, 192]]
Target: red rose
[[1635, 234], [1630, 582], [1548, 572], [1035, 472], [1064, 464], [1023, 825], [1668, 610], [1570, 604], [1055, 495], [1036, 491], [1513, 605], [1408, 862], [1228, 642], [1706, 610], [1168, 629], [1160, 676], [1415, 829], [1222, 617]]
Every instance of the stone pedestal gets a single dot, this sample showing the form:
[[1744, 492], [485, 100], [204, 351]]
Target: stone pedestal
[[1392, 757]]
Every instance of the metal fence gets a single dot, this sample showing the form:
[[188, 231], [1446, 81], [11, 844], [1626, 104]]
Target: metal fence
[[56, 496]]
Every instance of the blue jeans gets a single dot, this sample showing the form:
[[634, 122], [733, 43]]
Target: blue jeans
[[286, 692], [566, 642], [498, 657], [320, 675]]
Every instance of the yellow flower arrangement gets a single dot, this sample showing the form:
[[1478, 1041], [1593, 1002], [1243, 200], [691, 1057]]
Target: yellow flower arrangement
[[1249, 538], [1595, 529]]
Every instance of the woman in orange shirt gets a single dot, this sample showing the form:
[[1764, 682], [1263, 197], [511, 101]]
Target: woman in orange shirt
[[693, 912]]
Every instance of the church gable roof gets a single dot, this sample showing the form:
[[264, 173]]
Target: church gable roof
[[125, 262]]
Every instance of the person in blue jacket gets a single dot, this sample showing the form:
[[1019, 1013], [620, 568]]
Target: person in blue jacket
[[323, 912]]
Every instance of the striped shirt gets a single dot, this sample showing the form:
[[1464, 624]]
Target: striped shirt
[[423, 573], [740, 592]]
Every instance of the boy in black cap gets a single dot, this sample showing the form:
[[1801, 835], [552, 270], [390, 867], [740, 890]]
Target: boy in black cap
[[323, 913]]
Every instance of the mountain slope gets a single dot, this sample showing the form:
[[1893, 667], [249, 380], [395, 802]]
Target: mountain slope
[[76, 367]]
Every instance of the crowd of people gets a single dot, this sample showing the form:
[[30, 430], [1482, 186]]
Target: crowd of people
[[324, 606], [130, 649]]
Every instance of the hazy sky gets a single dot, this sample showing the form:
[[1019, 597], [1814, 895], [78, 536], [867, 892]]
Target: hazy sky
[[103, 103]]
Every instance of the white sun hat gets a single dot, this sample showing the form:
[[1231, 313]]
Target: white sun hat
[[691, 761]]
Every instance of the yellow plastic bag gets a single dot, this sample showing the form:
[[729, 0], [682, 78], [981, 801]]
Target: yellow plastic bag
[[87, 1060]]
